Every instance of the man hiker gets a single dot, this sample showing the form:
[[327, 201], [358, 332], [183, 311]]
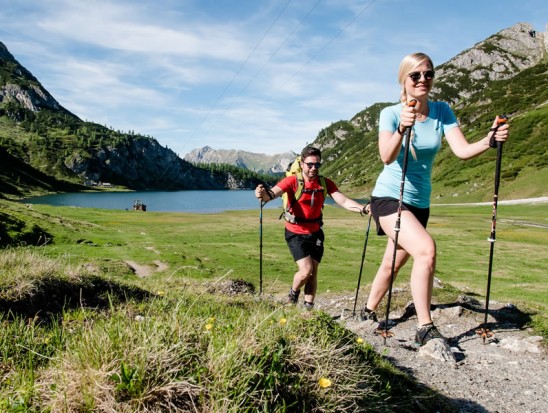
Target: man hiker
[[306, 192]]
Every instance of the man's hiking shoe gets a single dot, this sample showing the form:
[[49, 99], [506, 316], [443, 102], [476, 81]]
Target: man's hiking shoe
[[367, 314], [308, 306], [426, 333], [293, 296]]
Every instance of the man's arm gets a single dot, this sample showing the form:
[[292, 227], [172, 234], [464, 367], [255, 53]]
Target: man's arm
[[348, 203]]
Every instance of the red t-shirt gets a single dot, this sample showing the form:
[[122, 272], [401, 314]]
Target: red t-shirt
[[304, 207]]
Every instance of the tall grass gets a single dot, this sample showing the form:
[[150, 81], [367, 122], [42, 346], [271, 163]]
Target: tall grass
[[190, 352]]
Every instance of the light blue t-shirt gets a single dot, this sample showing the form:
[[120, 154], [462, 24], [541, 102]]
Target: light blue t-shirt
[[426, 142]]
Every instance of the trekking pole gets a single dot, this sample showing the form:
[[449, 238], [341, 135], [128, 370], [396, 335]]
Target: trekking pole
[[261, 203], [385, 333], [361, 266], [483, 331]]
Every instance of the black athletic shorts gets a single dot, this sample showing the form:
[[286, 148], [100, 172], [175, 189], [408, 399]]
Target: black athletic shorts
[[383, 206], [303, 245]]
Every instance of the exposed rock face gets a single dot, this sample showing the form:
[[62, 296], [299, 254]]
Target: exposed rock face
[[258, 162], [500, 56], [142, 164], [33, 97], [22, 87]]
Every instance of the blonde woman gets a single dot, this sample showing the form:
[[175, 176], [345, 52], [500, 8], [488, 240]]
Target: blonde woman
[[429, 122]]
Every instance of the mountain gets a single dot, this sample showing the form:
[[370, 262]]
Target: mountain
[[258, 162], [504, 74], [47, 138]]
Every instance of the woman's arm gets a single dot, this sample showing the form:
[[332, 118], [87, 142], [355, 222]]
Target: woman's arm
[[465, 150], [390, 142]]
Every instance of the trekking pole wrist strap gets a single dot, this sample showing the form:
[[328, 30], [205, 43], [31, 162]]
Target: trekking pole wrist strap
[[492, 140]]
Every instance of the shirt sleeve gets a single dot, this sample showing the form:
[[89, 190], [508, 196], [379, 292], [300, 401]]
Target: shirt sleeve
[[448, 118], [288, 184], [389, 118], [331, 186]]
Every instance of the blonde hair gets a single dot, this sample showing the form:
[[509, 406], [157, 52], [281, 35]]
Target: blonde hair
[[407, 64]]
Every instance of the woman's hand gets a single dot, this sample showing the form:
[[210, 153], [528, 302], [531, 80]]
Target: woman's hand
[[407, 117], [500, 131]]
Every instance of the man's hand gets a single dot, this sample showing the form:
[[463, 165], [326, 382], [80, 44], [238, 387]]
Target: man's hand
[[259, 191]]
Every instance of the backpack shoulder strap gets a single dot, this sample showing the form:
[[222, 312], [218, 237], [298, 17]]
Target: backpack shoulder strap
[[300, 187], [323, 183]]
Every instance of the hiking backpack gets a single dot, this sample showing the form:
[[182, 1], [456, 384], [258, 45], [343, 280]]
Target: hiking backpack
[[295, 169]]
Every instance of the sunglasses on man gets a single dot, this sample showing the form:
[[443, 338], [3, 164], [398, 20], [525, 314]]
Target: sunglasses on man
[[311, 164], [416, 76]]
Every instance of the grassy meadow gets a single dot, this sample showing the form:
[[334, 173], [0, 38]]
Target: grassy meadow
[[83, 331], [203, 247]]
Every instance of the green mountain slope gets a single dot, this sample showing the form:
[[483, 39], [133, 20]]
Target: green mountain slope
[[50, 140]]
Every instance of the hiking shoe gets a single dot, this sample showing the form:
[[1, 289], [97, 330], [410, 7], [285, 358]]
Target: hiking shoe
[[293, 296], [308, 306], [426, 333], [367, 314]]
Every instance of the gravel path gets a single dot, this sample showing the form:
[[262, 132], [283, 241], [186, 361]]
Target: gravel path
[[507, 373]]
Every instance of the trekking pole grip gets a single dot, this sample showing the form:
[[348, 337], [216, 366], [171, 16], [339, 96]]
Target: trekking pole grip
[[493, 143]]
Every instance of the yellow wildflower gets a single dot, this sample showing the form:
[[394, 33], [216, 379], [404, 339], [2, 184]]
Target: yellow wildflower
[[283, 321], [359, 340], [208, 326], [324, 383]]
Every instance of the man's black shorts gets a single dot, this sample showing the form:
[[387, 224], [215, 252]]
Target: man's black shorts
[[383, 206], [304, 245]]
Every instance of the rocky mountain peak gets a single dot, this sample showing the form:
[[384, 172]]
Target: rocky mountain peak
[[4, 53], [18, 85], [498, 57], [257, 162]]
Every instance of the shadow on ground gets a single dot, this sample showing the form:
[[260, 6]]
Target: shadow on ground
[[54, 295]]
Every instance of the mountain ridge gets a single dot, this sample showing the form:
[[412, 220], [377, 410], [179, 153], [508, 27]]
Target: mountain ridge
[[505, 73], [258, 162], [36, 129]]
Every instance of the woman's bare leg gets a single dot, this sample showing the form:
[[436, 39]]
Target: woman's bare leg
[[414, 241]]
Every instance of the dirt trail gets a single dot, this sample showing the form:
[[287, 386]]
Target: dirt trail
[[509, 373]]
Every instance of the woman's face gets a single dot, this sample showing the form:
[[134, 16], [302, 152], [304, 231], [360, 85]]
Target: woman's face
[[420, 82]]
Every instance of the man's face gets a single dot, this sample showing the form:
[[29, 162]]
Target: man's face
[[311, 166]]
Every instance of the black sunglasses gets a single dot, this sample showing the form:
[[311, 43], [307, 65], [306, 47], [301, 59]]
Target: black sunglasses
[[311, 164], [416, 76]]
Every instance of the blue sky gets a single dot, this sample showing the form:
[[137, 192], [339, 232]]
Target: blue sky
[[257, 75]]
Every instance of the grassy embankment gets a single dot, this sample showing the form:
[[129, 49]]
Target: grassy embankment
[[82, 332]]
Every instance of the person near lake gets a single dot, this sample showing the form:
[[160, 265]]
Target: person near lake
[[303, 229], [429, 122]]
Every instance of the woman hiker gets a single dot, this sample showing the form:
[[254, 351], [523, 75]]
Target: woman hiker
[[430, 121]]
